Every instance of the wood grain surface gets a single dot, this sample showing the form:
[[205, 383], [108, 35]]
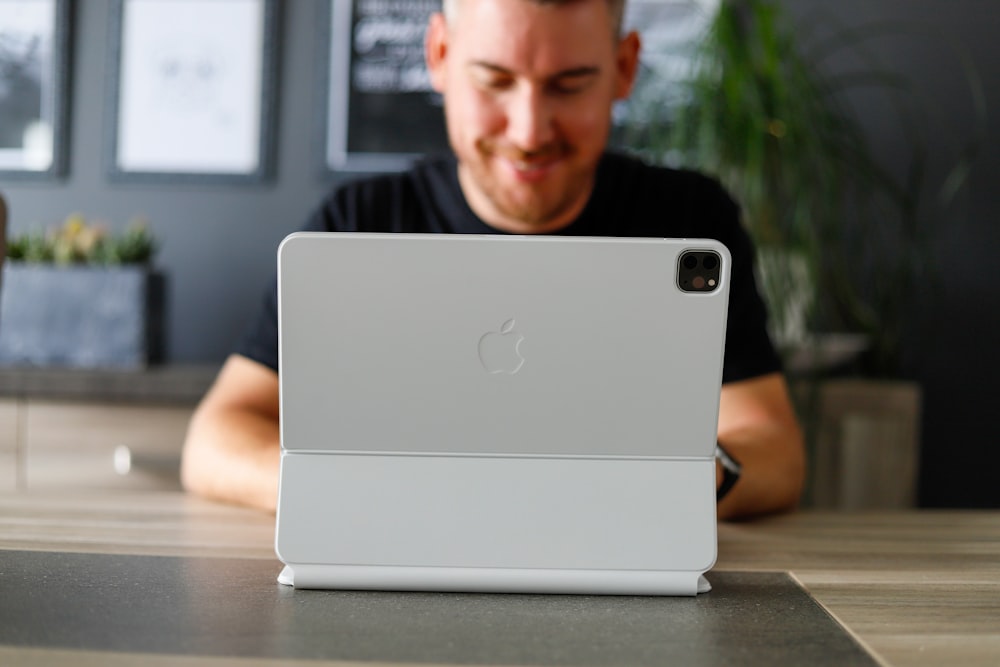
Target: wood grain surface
[[915, 587]]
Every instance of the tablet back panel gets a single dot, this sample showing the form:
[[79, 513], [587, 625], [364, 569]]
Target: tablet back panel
[[497, 345], [497, 413]]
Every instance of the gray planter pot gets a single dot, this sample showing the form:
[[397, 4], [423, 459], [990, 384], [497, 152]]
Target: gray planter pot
[[79, 316]]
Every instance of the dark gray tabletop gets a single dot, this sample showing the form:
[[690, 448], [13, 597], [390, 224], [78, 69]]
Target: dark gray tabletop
[[234, 607]]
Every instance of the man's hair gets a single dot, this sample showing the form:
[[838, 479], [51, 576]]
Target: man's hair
[[616, 7]]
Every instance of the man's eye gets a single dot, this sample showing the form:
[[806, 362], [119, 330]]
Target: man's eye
[[493, 81], [570, 86], [497, 83]]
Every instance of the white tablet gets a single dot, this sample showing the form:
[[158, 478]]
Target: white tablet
[[499, 413]]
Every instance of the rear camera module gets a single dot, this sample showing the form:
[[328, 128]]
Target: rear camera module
[[699, 271]]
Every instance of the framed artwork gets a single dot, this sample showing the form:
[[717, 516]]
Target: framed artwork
[[34, 87], [381, 111], [192, 90]]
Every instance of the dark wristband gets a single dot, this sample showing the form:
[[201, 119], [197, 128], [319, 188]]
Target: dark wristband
[[731, 470]]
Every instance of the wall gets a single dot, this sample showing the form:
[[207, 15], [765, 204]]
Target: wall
[[951, 333], [219, 242]]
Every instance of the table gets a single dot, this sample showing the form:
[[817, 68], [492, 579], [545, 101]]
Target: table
[[914, 588]]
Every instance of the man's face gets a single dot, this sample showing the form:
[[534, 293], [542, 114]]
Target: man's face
[[528, 91]]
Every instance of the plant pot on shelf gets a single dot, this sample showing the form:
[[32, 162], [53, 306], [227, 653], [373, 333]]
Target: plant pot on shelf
[[80, 316], [867, 448]]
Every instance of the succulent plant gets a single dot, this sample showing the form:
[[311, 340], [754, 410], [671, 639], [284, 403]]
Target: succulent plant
[[77, 242]]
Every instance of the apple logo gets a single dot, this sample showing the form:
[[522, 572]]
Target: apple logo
[[499, 350]]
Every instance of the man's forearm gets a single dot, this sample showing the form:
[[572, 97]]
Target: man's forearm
[[773, 471], [759, 429], [233, 455]]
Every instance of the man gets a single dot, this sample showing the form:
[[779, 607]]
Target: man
[[528, 87]]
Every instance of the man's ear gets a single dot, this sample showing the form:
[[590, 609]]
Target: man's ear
[[436, 50], [627, 64]]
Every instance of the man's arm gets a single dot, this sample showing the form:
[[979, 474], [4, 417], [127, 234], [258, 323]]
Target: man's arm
[[232, 448], [757, 425]]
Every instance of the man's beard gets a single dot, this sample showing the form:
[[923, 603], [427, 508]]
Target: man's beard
[[533, 204]]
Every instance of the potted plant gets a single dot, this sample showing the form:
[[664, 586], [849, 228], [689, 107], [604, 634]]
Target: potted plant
[[841, 238], [80, 296]]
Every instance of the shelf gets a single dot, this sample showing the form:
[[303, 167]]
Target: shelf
[[167, 384]]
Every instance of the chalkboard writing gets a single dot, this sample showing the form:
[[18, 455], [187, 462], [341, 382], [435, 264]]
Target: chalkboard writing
[[382, 109]]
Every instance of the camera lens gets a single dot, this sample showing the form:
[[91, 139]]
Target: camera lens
[[690, 262], [710, 262]]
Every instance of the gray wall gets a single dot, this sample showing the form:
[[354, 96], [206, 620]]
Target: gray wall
[[219, 242], [952, 333]]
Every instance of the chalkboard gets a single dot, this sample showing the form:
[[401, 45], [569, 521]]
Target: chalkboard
[[382, 111]]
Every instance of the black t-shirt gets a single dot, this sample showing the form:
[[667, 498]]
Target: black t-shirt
[[630, 199]]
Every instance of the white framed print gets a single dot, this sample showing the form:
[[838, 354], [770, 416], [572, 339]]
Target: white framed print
[[34, 87], [192, 90]]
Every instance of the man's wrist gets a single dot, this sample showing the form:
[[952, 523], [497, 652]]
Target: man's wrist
[[727, 470]]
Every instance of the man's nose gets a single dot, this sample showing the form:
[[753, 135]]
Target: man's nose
[[529, 119]]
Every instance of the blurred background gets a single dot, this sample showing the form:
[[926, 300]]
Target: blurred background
[[216, 240]]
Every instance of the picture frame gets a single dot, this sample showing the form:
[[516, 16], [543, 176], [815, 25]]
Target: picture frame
[[380, 112], [34, 88], [192, 86]]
